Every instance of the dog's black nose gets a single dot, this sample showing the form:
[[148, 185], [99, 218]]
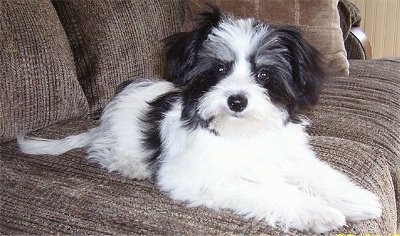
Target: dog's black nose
[[237, 103]]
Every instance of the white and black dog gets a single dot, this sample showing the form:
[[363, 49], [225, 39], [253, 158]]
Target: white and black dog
[[225, 133]]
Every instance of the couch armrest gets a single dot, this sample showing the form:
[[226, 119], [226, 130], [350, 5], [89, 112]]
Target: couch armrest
[[359, 34]]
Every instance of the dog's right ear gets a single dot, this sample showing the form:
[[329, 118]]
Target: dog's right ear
[[181, 49]]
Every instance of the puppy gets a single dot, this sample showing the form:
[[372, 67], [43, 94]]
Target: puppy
[[225, 132]]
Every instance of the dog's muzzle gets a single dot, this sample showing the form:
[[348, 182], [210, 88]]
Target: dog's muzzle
[[237, 103]]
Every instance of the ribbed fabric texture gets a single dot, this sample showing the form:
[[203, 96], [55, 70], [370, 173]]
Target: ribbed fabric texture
[[38, 83], [354, 48], [355, 129], [114, 41], [364, 108], [319, 20]]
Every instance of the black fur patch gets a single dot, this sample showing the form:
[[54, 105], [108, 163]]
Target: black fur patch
[[181, 49], [308, 70], [152, 121]]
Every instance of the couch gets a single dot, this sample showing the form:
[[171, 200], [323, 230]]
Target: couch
[[60, 63]]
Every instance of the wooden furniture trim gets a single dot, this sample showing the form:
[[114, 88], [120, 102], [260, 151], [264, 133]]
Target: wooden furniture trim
[[363, 39]]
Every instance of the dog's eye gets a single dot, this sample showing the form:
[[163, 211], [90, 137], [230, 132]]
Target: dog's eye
[[220, 69], [263, 75]]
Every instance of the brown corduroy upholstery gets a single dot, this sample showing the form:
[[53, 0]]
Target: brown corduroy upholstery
[[66, 194], [38, 82], [114, 41], [365, 108]]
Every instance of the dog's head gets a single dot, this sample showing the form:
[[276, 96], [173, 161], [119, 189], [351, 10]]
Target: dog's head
[[242, 74]]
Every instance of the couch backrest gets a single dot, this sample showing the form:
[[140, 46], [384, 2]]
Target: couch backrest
[[38, 81], [64, 59], [114, 41]]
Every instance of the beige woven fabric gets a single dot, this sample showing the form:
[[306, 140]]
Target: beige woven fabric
[[319, 20], [114, 41], [38, 83]]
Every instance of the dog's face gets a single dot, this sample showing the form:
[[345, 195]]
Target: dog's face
[[242, 75]]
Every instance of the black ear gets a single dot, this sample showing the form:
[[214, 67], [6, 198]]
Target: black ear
[[181, 49], [308, 67]]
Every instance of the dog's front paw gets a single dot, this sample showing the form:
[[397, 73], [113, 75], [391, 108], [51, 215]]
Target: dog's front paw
[[360, 204], [319, 218], [327, 219]]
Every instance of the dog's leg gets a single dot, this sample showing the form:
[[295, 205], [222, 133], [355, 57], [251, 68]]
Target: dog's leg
[[271, 200], [279, 203], [320, 180]]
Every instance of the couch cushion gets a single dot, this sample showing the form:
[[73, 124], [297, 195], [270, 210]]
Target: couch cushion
[[319, 20], [68, 195], [114, 41], [38, 82], [364, 108]]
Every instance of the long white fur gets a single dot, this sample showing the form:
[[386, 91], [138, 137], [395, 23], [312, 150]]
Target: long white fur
[[258, 165], [36, 146]]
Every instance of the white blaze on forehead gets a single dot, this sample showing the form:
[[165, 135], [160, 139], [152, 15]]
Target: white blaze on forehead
[[239, 36]]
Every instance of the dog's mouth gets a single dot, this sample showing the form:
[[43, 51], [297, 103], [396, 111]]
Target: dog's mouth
[[237, 115]]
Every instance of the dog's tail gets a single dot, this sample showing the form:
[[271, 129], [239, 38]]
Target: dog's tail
[[54, 147]]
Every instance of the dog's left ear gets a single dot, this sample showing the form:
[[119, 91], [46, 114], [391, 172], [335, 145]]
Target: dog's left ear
[[308, 67], [181, 49]]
